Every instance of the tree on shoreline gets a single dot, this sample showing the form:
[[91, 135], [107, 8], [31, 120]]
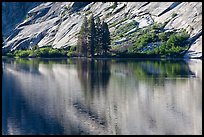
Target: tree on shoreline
[[94, 37], [105, 38], [98, 36], [83, 38]]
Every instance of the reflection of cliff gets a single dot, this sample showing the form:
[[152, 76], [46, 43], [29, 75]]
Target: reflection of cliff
[[25, 65], [35, 102], [62, 97], [52, 96], [196, 67], [161, 104]]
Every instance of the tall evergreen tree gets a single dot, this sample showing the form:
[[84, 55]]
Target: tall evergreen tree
[[98, 41], [92, 36], [83, 38], [105, 38]]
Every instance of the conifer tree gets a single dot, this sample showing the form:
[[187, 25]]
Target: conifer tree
[[83, 38], [98, 46], [91, 36], [105, 38]]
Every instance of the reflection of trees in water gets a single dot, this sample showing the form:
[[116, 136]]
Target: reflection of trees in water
[[99, 72], [108, 112], [94, 75], [157, 71]]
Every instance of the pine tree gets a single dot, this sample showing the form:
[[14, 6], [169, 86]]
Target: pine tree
[[98, 41], [91, 36], [83, 38], [105, 38]]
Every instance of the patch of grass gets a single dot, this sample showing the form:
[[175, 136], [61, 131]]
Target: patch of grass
[[115, 23], [123, 29]]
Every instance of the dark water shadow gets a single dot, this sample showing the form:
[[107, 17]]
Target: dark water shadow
[[18, 113], [94, 75]]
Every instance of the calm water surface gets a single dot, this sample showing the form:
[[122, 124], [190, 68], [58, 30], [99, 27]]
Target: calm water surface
[[83, 96]]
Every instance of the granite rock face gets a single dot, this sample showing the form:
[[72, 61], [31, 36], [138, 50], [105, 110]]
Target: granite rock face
[[58, 23], [13, 13]]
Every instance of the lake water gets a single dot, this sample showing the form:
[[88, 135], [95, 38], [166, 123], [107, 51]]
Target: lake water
[[84, 96]]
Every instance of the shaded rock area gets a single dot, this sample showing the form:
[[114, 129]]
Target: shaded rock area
[[58, 23], [13, 13]]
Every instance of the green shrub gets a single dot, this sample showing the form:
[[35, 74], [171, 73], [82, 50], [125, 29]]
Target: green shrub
[[172, 43], [54, 53], [72, 48], [63, 52], [23, 53], [35, 47], [120, 21], [127, 27], [43, 52], [163, 36], [179, 39], [72, 54], [9, 54], [88, 12], [174, 15], [143, 40], [157, 26], [33, 53], [48, 52]]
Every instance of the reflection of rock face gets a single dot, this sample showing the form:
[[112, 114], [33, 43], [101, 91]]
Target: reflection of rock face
[[60, 99], [196, 67], [159, 104]]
